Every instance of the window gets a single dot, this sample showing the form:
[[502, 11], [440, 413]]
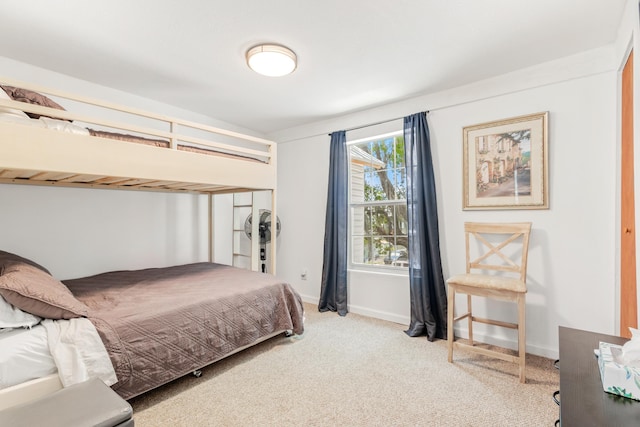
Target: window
[[378, 201]]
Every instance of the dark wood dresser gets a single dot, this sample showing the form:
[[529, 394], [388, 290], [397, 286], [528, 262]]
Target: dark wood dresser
[[583, 402]]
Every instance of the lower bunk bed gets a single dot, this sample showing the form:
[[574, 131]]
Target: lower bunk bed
[[156, 325]]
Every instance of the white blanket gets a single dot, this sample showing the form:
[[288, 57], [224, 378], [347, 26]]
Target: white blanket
[[78, 351], [44, 122]]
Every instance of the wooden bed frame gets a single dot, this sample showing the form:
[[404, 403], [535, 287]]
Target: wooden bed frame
[[38, 156], [45, 157]]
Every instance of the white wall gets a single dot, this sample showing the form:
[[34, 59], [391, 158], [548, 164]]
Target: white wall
[[78, 232], [572, 270], [302, 194]]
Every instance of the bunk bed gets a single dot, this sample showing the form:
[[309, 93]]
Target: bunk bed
[[102, 145]]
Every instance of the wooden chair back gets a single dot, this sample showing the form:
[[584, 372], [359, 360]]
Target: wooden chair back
[[500, 247]]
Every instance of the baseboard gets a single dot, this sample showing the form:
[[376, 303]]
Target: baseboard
[[551, 353], [309, 299], [365, 311], [377, 314]]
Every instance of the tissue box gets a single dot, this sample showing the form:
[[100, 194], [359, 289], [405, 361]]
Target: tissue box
[[616, 377]]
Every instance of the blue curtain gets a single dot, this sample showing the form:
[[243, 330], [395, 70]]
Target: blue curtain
[[333, 292], [427, 290]]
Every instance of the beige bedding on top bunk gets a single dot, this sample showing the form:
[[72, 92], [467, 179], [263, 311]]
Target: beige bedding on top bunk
[[51, 122], [164, 144]]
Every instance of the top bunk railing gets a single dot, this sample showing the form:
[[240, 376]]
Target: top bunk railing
[[178, 131]]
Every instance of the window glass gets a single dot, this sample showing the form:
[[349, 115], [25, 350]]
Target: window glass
[[378, 191]]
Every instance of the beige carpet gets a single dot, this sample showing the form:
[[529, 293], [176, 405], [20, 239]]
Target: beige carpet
[[354, 371]]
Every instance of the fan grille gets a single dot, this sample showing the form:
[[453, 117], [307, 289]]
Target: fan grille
[[264, 226]]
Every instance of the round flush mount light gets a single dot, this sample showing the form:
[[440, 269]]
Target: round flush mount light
[[271, 60]]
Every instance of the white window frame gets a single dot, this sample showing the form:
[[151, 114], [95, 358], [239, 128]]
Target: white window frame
[[362, 266]]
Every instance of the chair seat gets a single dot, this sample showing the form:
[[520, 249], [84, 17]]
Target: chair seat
[[486, 281]]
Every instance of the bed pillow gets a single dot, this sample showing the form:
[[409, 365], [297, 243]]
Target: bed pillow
[[31, 97], [10, 111], [32, 290], [7, 259], [12, 317]]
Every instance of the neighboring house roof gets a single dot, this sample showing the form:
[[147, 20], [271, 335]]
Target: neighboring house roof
[[361, 157]]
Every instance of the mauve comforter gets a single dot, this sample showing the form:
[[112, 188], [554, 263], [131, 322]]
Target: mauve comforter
[[159, 324]]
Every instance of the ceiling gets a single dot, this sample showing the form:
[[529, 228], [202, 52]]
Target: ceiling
[[352, 54]]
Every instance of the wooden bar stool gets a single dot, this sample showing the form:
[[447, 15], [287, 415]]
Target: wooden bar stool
[[497, 269]]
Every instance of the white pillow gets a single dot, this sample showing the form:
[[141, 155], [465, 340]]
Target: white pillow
[[63, 126], [12, 317], [7, 110]]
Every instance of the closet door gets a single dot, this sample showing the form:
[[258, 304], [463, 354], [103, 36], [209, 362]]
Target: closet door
[[628, 298]]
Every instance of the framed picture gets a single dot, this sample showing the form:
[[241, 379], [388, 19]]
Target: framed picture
[[505, 164]]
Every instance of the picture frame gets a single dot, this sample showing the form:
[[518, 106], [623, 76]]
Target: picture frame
[[506, 164]]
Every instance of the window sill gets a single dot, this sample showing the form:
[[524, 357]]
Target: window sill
[[383, 271]]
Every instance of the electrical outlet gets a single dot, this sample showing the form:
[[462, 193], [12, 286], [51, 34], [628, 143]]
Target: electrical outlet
[[303, 274]]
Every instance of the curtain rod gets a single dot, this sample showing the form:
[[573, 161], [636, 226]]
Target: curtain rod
[[374, 124]]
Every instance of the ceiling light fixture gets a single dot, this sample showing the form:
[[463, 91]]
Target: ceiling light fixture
[[271, 60]]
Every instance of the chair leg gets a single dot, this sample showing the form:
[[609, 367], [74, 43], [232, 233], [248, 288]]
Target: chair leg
[[451, 299], [522, 343], [470, 319]]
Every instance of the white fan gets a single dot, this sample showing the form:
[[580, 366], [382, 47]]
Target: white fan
[[264, 231]]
